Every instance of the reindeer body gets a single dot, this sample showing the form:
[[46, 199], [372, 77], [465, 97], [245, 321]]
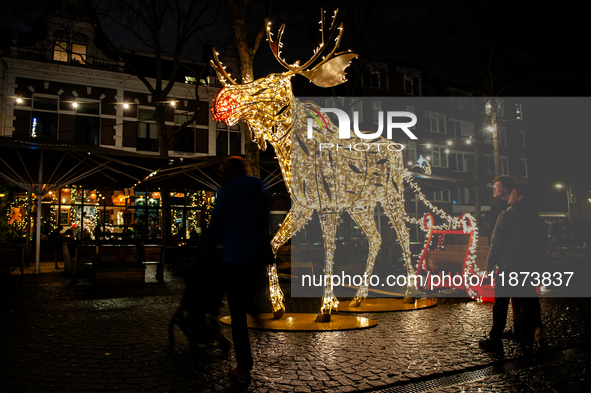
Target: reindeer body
[[330, 181], [327, 181]]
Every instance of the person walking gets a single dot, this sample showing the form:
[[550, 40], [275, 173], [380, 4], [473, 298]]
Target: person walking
[[240, 224], [518, 244]]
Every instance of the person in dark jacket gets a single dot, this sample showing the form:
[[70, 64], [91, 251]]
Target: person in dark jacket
[[240, 224], [502, 187], [518, 244]]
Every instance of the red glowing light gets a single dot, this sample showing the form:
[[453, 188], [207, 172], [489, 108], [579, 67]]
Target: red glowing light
[[224, 105]]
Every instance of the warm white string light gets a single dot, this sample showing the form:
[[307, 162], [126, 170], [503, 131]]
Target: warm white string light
[[326, 181]]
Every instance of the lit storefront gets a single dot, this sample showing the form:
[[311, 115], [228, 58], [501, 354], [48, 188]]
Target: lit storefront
[[118, 215]]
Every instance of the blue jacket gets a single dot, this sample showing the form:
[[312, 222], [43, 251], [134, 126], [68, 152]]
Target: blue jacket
[[240, 222]]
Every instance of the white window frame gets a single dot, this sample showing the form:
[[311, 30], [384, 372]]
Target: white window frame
[[376, 69], [151, 126], [190, 126], [464, 194], [230, 130], [78, 113], [376, 108], [33, 109], [412, 152], [503, 136], [524, 166], [461, 100], [463, 155], [521, 134], [441, 152], [504, 164], [461, 129], [440, 196], [440, 121], [407, 78]]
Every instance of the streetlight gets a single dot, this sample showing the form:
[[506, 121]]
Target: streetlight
[[567, 199]]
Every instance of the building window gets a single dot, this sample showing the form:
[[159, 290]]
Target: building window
[[184, 140], [434, 122], [461, 162], [44, 117], [518, 113], [490, 164], [68, 50], [503, 136], [461, 100], [505, 166], [147, 131], [228, 140], [376, 109], [438, 157], [461, 129], [44, 124], [464, 196], [412, 153], [87, 123], [441, 196], [376, 76], [411, 109], [521, 135], [350, 106], [407, 85], [524, 167]]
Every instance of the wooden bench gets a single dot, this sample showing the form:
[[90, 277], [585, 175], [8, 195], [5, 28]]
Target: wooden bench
[[460, 258], [12, 256]]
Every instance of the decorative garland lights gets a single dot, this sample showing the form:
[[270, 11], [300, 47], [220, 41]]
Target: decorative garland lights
[[326, 181]]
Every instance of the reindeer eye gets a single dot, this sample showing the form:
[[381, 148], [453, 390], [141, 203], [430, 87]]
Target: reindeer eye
[[259, 92]]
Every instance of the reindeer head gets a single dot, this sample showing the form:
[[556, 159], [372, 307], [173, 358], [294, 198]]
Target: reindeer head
[[266, 104]]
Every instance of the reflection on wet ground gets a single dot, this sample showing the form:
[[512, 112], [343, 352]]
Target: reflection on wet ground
[[58, 336]]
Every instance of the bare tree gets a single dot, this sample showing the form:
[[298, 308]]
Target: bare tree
[[249, 29], [166, 29]]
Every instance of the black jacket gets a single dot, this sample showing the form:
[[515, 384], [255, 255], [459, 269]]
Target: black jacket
[[519, 240]]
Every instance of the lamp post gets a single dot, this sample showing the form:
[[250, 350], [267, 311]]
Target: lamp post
[[559, 186]]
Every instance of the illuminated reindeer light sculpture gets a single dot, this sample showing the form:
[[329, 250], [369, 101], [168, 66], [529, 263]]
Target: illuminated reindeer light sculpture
[[324, 181]]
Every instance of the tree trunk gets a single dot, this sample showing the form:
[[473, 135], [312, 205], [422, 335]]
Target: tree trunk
[[246, 56], [493, 123]]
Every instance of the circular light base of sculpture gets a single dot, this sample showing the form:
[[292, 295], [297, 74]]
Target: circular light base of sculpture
[[388, 304], [298, 322]]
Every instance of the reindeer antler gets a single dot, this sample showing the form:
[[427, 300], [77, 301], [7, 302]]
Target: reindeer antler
[[327, 73], [221, 69]]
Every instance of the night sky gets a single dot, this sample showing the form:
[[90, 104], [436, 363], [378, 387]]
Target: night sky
[[534, 49]]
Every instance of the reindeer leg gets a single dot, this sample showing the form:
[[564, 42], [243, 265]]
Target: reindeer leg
[[291, 224], [367, 224], [329, 302], [396, 215]]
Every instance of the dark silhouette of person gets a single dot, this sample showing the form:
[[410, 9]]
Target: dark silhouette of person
[[502, 187], [518, 244], [55, 235], [240, 224]]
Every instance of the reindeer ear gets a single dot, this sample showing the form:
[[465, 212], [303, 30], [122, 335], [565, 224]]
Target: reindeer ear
[[332, 72]]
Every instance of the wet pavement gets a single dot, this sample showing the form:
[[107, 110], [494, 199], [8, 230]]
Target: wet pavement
[[60, 336]]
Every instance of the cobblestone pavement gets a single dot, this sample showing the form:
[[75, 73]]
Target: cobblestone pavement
[[60, 336]]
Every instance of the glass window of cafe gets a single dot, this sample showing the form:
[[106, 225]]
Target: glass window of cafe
[[85, 214]]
